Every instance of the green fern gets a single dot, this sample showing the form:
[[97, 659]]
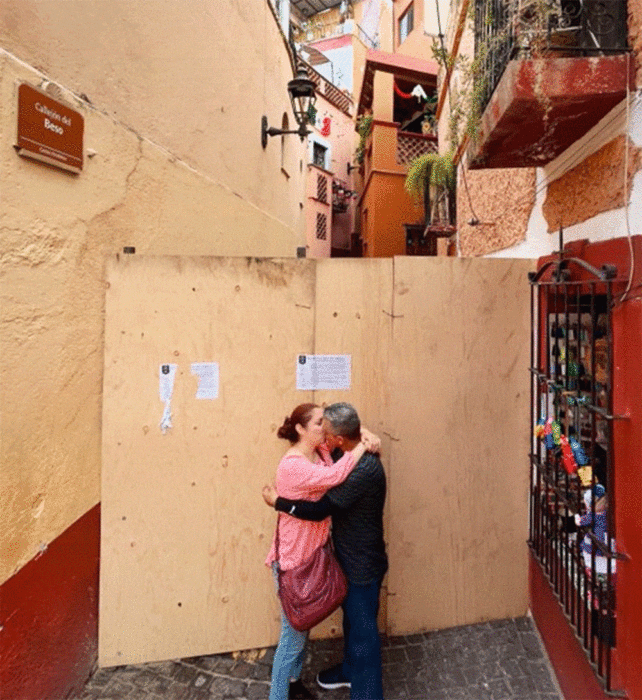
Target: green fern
[[434, 168]]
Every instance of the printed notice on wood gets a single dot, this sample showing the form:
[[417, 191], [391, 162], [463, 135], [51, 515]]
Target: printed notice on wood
[[323, 372], [48, 130]]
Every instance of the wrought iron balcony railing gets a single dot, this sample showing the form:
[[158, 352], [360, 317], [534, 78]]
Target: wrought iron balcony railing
[[507, 29]]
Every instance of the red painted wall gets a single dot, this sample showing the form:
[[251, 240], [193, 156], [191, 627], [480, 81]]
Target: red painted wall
[[627, 448], [574, 675], [49, 617]]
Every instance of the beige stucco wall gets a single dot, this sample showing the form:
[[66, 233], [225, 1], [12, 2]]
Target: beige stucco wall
[[176, 168], [194, 76]]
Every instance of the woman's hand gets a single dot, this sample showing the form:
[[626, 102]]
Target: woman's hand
[[269, 495], [370, 441]]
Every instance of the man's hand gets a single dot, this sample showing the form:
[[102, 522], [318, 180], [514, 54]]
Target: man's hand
[[269, 495], [371, 441]]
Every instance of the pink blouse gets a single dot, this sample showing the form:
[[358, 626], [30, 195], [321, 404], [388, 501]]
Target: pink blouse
[[299, 478]]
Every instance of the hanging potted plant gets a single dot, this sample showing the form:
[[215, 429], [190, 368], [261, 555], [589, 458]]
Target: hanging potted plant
[[431, 180]]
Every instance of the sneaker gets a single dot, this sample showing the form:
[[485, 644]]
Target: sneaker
[[299, 692], [333, 678]]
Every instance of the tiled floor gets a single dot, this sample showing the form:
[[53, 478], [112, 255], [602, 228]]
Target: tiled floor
[[500, 660]]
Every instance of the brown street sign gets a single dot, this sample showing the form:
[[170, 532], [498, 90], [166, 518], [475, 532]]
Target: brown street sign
[[48, 130]]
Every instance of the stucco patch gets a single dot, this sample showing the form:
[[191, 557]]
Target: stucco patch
[[594, 186], [502, 200], [635, 37]]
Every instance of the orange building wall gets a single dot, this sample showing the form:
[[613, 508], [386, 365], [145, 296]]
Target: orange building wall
[[389, 208], [417, 43], [388, 205]]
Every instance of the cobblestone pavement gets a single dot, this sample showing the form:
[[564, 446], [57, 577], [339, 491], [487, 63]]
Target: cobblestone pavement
[[501, 660]]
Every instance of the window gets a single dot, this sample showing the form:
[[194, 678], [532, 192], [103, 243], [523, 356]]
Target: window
[[322, 189], [319, 155], [572, 521], [322, 227], [406, 23]]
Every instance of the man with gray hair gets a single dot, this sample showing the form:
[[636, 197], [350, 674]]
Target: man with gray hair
[[356, 507]]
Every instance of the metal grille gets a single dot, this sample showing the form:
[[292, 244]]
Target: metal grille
[[322, 227], [572, 508], [322, 188], [505, 29], [410, 145]]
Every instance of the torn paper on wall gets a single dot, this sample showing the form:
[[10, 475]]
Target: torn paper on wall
[[207, 373], [166, 374]]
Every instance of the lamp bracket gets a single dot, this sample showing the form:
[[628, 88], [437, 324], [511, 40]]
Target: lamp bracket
[[273, 131]]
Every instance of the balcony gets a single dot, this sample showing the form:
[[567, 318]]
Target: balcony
[[549, 76], [390, 150]]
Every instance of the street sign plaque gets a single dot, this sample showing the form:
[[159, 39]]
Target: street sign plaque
[[48, 130]]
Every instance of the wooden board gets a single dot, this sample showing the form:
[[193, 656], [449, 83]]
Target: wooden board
[[439, 350], [184, 529], [459, 414], [353, 317]]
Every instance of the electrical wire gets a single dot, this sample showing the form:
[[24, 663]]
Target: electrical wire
[[579, 156], [626, 182], [566, 165]]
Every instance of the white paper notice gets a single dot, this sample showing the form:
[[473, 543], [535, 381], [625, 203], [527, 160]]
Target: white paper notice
[[323, 372], [207, 373], [166, 374]]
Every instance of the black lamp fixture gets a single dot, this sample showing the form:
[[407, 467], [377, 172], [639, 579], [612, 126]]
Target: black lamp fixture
[[302, 96]]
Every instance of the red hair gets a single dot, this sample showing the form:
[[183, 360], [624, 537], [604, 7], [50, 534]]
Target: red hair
[[300, 416]]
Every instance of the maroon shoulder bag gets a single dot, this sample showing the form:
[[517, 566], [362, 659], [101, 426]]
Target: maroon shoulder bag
[[313, 590]]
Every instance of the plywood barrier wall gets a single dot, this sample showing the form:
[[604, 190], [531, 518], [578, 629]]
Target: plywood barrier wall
[[459, 414], [184, 529], [354, 316], [439, 369]]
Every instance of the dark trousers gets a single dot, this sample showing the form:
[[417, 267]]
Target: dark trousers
[[362, 648]]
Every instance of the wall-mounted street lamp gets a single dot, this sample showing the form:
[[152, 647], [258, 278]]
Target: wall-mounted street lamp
[[302, 96]]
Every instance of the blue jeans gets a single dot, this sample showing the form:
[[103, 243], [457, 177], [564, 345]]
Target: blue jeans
[[288, 658], [362, 647]]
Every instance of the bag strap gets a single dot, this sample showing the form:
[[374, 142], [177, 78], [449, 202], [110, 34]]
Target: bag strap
[[276, 543]]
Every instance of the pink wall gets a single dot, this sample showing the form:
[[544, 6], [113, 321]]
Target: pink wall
[[335, 128], [318, 204]]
